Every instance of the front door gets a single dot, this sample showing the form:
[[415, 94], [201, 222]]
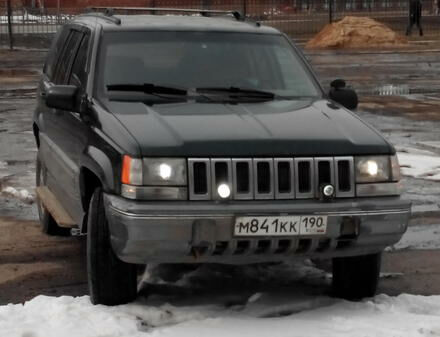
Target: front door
[[66, 133]]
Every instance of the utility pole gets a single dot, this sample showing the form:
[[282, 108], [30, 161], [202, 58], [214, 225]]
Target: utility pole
[[11, 36]]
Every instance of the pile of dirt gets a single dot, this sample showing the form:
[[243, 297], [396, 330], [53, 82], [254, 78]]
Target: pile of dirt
[[356, 32]]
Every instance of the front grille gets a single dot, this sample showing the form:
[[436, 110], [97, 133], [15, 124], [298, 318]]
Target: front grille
[[270, 178]]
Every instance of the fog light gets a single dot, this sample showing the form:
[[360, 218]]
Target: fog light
[[224, 191], [328, 191]]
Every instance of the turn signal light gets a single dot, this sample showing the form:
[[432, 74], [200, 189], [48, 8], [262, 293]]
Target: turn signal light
[[131, 171]]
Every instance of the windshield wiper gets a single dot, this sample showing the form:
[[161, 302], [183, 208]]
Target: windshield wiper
[[241, 92], [148, 88]]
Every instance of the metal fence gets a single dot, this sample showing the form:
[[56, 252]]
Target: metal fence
[[33, 22]]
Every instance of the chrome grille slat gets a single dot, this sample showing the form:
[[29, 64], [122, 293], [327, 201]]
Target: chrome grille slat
[[304, 194], [263, 195], [241, 195], [227, 180], [351, 191], [291, 193], [192, 194], [304, 175], [318, 183]]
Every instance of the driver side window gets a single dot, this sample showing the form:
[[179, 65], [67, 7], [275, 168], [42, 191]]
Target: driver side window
[[64, 63], [78, 76]]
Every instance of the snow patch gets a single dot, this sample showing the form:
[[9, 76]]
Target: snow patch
[[419, 163], [22, 195], [381, 316], [420, 237]]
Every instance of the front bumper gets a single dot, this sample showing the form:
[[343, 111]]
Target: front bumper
[[193, 232]]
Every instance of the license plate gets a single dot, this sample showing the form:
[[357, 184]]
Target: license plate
[[280, 225]]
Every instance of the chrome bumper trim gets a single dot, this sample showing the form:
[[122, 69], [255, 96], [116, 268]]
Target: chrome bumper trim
[[228, 215]]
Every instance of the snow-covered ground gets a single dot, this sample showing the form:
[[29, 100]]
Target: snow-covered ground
[[419, 163], [262, 315], [23, 194], [420, 237]]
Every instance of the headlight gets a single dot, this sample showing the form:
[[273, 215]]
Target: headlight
[[377, 176], [164, 172], [154, 178], [373, 169]]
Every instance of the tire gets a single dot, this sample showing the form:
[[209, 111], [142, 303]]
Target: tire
[[48, 224], [356, 277], [111, 281]]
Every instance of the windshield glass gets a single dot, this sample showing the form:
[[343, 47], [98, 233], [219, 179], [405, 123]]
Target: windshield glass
[[200, 60]]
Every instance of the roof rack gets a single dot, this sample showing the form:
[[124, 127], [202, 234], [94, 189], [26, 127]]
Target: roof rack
[[109, 11]]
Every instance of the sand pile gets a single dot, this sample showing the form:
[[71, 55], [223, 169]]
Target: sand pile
[[356, 32]]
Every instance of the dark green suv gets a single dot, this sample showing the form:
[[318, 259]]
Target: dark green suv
[[206, 138]]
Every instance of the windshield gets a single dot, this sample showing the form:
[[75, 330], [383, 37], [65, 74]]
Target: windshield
[[200, 60]]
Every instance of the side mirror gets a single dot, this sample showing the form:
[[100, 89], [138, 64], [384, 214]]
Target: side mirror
[[63, 97], [341, 94]]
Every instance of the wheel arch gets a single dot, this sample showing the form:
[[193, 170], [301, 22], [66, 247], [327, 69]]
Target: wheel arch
[[96, 170]]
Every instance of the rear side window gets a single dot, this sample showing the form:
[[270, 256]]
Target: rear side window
[[64, 63], [79, 69]]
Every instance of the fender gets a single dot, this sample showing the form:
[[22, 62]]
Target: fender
[[100, 164]]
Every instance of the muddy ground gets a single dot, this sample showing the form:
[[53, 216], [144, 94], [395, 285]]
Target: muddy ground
[[32, 263]]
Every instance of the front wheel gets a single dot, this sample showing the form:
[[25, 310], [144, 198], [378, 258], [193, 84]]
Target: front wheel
[[111, 281], [356, 277]]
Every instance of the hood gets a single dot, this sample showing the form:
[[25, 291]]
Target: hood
[[275, 128]]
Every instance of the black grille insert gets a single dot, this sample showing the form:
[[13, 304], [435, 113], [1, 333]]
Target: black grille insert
[[200, 178], [304, 245], [242, 247], [262, 246], [263, 177], [220, 247], [284, 178], [304, 177], [324, 173], [344, 176], [221, 173], [283, 246], [243, 178]]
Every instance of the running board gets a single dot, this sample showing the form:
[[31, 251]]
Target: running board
[[54, 207]]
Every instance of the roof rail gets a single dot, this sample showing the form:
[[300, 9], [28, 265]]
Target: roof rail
[[109, 11], [105, 16]]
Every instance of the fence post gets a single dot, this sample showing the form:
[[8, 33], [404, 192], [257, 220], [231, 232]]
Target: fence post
[[11, 37], [58, 12], [330, 11], [244, 7]]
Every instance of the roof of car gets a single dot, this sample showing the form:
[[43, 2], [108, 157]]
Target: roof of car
[[176, 22]]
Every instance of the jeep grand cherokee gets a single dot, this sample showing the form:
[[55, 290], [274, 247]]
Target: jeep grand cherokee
[[207, 138]]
